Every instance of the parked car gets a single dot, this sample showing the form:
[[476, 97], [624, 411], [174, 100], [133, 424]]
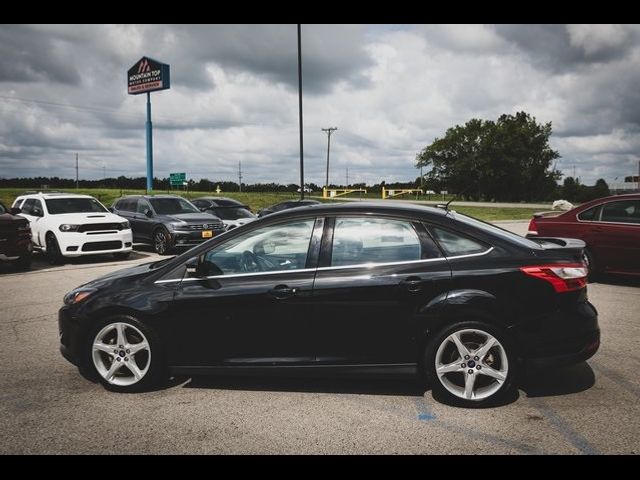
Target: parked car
[[610, 228], [167, 221], [66, 225], [278, 207], [342, 288], [232, 212], [15, 238]]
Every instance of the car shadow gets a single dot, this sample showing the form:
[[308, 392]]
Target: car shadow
[[405, 386], [560, 381], [617, 280]]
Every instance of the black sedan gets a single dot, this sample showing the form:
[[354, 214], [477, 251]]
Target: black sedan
[[278, 207], [346, 288], [232, 212], [167, 221]]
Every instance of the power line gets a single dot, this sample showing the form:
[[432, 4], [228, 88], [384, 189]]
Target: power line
[[329, 131]]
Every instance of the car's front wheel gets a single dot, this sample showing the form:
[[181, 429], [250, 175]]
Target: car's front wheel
[[162, 241], [470, 364], [53, 250], [124, 354]]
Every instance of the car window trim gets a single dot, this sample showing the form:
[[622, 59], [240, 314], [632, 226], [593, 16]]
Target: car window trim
[[601, 206]]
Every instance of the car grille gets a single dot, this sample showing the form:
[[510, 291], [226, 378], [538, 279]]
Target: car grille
[[97, 246], [206, 226], [93, 227]]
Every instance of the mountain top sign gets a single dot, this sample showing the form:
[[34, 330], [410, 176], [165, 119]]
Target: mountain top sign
[[148, 75]]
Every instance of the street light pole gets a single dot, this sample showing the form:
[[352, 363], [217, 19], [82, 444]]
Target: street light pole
[[300, 114], [329, 131]]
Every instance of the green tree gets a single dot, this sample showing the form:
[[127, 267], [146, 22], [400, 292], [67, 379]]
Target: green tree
[[506, 160], [571, 189], [601, 189]]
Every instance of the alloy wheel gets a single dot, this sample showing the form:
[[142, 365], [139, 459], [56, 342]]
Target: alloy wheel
[[121, 354], [471, 364], [160, 242]]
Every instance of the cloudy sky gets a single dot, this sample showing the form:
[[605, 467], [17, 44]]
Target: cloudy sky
[[390, 90]]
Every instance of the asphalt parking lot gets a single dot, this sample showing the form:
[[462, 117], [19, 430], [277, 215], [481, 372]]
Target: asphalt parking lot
[[46, 406]]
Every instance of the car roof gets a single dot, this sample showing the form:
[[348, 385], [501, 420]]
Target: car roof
[[49, 195], [223, 201], [598, 201], [164, 195], [382, 206]]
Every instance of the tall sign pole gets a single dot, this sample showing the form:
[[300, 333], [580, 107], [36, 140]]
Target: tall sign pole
[[148, 75], [149, 146], [300, 114]]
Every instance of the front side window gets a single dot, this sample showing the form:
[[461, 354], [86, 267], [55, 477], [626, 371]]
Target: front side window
[[172, 206], [627, 211], [454, 243], [143, 206], [267, 249], [359, 241], [57, 206], [27, 206]]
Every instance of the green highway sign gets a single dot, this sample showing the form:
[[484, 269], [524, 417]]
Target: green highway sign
[[177, 179]]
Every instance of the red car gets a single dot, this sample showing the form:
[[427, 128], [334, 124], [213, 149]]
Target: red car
[[609, 226]]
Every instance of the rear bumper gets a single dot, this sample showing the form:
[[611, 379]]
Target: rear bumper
[[567, 337]]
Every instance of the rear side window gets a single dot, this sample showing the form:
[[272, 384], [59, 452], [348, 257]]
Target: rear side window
[[373, 240], [454, 243], [627, 211], [590, 215]]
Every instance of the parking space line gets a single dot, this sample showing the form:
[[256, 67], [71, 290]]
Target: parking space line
[[563, 427]]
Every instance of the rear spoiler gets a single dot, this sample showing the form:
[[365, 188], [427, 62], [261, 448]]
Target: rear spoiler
[[571, 246], [551, 213]]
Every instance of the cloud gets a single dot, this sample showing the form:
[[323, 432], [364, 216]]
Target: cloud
[[390, 90]]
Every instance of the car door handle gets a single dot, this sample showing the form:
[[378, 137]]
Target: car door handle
[[412, 284], [282, 291]]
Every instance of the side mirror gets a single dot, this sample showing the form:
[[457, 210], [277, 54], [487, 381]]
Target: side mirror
[[148, 213], [15, 211], [194, 267]]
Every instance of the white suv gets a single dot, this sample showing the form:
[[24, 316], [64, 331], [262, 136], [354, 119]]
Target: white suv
[[71, 225]]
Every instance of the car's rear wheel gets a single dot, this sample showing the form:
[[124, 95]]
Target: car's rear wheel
[[162, 241], [470, 364], [54, 255], [124, 354]]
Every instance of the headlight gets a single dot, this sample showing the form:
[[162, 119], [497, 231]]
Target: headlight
[[177, 225], [66, 227], [125, 226], [78, 295]]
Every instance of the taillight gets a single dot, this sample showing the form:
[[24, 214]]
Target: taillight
[[563, 277], [533, 228]]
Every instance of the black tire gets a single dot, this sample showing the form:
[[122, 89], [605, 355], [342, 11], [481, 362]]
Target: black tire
[[23, 263], [121, 255], [154, 376], [162, 242], [591, 264], [441, 393], [54, 255]]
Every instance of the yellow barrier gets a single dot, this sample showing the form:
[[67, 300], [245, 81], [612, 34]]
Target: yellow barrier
[[400, 191], [337, 192]]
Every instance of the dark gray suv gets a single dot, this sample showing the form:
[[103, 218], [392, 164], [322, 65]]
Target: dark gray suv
[[167, 221]]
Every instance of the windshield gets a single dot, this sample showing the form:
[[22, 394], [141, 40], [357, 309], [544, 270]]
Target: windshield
[[172, 206], [57, 206], [232, 213], [500, 232]]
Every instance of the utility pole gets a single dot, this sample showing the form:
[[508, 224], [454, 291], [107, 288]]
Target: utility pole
[[347, 177], [77, 179], [329, 131], [421, 178], [240, 175], [300, 113]]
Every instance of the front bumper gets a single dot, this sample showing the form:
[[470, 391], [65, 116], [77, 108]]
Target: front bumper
[[68, 331], [565, 338], [75, 244], [189, 238]]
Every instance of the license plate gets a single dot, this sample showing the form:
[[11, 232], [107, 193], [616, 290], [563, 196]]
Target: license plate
[[207, 234]]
